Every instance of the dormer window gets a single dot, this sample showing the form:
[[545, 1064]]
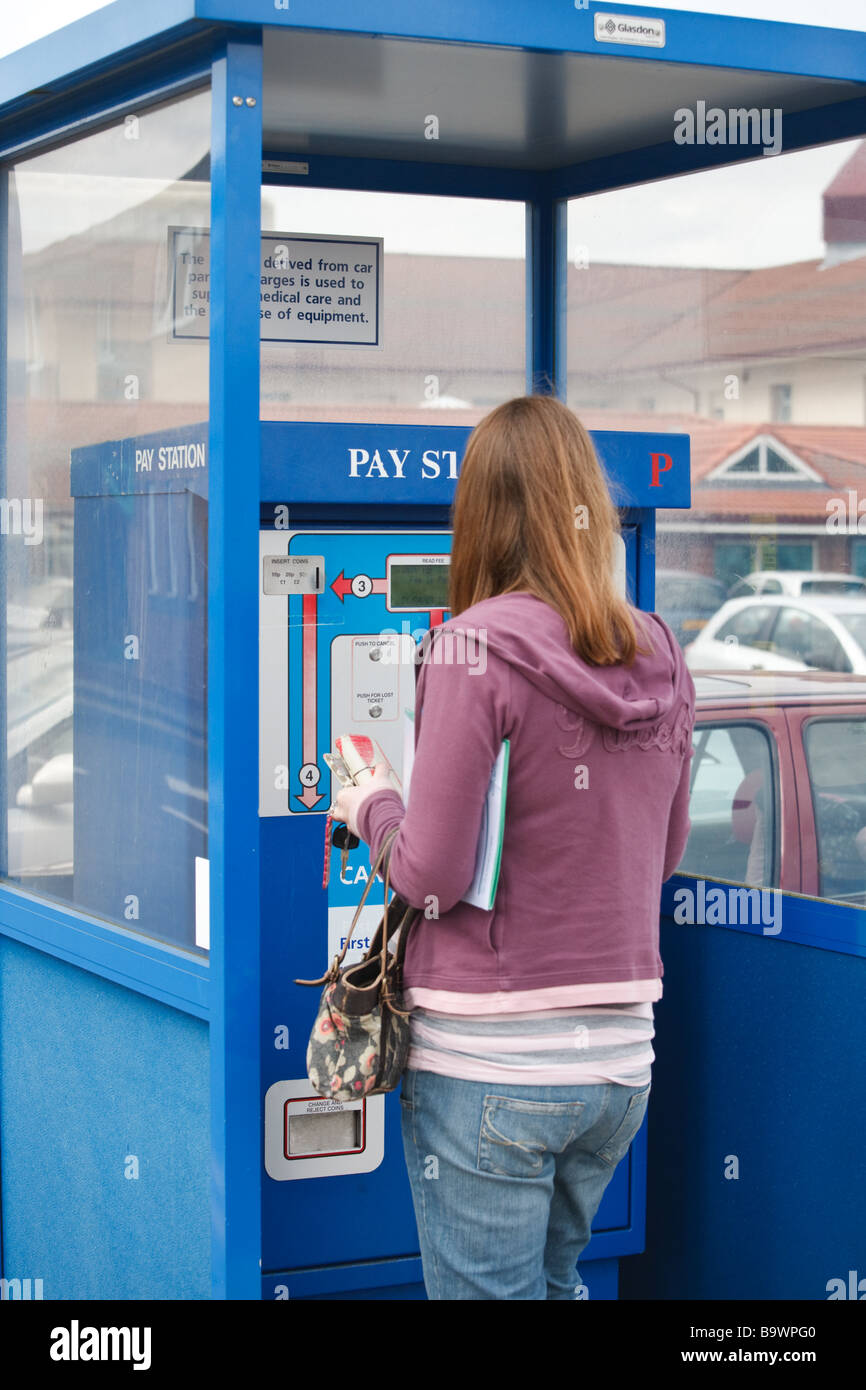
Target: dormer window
[[762, 459]]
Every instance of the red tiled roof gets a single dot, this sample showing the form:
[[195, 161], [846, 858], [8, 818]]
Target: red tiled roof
[[727, 317], [755, 503]]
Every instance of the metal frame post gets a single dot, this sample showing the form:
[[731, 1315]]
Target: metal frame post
[[233, 525]]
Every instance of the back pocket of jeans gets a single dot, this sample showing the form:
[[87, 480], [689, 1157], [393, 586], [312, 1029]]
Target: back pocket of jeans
[[516, 1134], [614, 1149]]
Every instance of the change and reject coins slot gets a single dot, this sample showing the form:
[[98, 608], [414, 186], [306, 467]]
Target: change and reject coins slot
[[323, 1127], [312, 1136]]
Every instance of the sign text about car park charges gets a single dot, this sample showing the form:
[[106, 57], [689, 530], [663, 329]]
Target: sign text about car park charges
[[312, 289]]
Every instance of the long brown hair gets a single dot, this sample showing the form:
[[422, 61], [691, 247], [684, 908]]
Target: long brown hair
[[529, 468]]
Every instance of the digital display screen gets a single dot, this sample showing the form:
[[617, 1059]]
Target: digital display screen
[[418, 586]]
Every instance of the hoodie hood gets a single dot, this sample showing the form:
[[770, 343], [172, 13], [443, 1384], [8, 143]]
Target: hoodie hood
[[531, 636]]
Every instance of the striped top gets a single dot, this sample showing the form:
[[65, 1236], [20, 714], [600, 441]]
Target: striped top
[[589, 1044]]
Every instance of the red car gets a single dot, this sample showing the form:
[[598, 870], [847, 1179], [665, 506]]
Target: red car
[[778, 783]]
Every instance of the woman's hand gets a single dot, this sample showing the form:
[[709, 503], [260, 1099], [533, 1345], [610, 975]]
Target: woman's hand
[[350, 799]]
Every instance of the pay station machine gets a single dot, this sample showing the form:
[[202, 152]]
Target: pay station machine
[[353, 571]]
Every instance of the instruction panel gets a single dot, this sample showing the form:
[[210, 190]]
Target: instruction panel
[[341, 617]]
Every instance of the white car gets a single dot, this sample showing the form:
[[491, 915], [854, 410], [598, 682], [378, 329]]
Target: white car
[[775, 633], [800, 584]]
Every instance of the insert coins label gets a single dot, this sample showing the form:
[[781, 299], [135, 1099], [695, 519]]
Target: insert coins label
[[294, 574]]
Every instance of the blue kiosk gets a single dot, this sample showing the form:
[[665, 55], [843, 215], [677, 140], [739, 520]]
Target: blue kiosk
[[243, 504]]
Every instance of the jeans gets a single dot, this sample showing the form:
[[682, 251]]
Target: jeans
[[506, 1180]]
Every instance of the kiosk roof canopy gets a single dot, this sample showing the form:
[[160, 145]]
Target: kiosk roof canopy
[[514, 84], [351, 94]]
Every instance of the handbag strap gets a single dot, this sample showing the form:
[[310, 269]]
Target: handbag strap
[[388, 968], [384, 854]]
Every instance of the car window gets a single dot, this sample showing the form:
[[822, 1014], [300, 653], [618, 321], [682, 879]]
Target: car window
[[771, 586], [856, 625], [707, 593], [688, 591], [742, 590], [673, 593], [836, 759], [732, 806], [833, 586], [750, 626], [805, 637]]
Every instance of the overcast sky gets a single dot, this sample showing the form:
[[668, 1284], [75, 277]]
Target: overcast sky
[[765, 213]]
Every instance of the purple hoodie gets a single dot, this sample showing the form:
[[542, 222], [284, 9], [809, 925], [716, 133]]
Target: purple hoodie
[[596, 809]]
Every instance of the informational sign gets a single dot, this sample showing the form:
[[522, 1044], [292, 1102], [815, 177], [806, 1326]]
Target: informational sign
[[312, 289]]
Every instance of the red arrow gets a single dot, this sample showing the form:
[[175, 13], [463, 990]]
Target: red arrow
[[342, 586], [309, 796]]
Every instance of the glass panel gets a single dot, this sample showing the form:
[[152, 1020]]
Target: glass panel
[[105, 579], [732, 807], [749, 626], [780, 402], [806, 637], [793, 555], [687, 605], [735, 561], [855, 623], [454, 307], [833, 586], [776, 464], [729, 305], [836, 757]]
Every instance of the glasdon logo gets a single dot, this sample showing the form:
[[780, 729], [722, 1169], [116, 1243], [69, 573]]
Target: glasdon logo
[[629, 28], [76, 1343]]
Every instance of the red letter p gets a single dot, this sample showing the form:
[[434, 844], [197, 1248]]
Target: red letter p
[[658, 468]]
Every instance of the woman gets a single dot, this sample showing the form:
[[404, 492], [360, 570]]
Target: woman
[[529, 1071]]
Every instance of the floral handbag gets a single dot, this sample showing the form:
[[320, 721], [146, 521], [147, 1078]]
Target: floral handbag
[[360, 1039]]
